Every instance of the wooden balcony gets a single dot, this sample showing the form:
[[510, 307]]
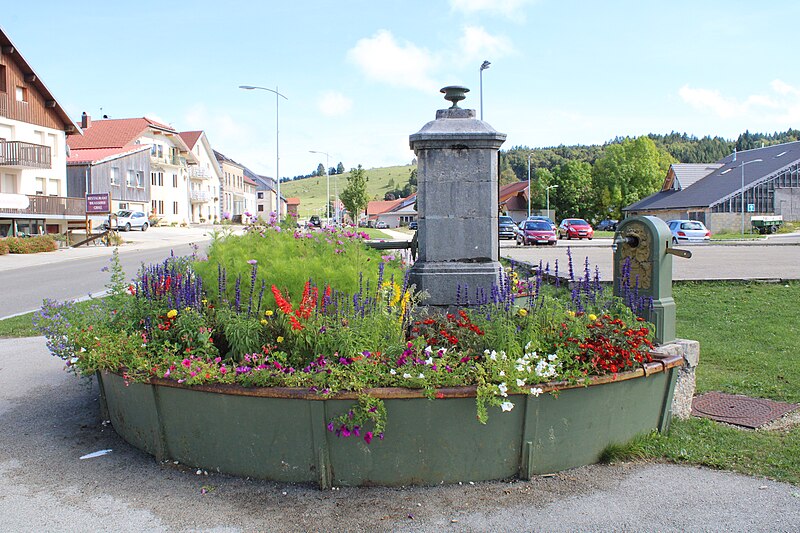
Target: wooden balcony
[[50, 206], [18, 154]]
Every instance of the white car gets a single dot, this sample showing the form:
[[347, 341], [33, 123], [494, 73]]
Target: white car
[[127, 220], [688, 231], [382, 225]]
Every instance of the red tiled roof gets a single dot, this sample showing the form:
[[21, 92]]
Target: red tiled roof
[[512, 189], [250, 181], [381, 206], [190, 137], [113, 133], [93, 155], [293, 201]]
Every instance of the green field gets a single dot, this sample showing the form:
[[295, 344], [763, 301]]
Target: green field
[[311, 191]]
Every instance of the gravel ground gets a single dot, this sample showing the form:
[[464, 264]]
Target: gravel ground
[[49, 419]]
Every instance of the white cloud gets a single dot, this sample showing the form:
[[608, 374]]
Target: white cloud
[[508, 8], [381, 58], [710, 100], [783, 88], [476, 43], [334, 104], [781, 105]]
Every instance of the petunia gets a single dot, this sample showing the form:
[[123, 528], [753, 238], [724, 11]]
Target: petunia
[[520, 382], [368, 437], [506, 406], [536, 391], [503, 389], [406, 375]]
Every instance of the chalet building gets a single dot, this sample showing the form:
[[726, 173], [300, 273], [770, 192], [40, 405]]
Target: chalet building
[[120, 172], [205, 179], [394, 213], [169, 162], [33, 151], [763, 181], [513, 200], [238, 194]]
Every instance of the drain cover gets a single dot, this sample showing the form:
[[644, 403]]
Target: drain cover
[[739, 410]]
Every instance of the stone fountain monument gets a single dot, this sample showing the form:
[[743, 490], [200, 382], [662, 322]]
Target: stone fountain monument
[[457, 204]]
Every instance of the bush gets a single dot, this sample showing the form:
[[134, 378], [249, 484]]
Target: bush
[[31, 245], [3, 247]]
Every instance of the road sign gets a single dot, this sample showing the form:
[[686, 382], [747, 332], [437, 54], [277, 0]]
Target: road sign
[[751, 208]]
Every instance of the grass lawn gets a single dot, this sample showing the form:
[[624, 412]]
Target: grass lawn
[[749, 337]]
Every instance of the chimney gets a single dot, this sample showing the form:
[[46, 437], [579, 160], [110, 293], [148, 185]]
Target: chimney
[[86, 121]]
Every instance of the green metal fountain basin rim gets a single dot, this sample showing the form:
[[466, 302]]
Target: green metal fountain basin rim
[[660, 363]]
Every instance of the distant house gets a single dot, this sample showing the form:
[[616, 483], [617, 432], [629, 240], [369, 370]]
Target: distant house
[[513, 199], [395, 213], [204, 178], [238, 189], [33, 151], [292, 206], [768, 178]]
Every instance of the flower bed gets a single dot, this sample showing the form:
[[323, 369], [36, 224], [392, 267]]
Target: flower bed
[[313, 344]]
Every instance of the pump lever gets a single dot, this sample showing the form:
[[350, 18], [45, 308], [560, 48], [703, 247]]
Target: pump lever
[[686, 254]]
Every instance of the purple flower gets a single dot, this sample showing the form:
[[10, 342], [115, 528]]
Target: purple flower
[[330, 425], [368, 437], [252, 261]]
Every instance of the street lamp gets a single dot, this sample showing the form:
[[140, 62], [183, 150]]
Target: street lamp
[[328, 178], [548, 197], [484, 66], [277, 144], [743, 164], [529, 185]]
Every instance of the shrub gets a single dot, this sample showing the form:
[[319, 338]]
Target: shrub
[[3, 247], [31, 245]]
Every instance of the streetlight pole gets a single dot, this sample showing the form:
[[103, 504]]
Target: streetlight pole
[[484, 66], [529, 185], [328, 179], [548, 197], [743, 164], [277, 143]]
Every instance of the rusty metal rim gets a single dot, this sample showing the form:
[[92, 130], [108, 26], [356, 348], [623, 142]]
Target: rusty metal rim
[[661, 363]]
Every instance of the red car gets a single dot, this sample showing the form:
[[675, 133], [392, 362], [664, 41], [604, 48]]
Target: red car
[[575, 228], [536, 232]]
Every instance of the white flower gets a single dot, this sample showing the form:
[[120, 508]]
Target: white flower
[[503, 389], [429, 361], [406, 375], [73, 360], [428, 350], [442, 351], [83, 349], [520, 382], [552, 357], [506, 406], [393, 371], [493, 356], [527, 346], [520, 368], [421, 375], [536, 391], [503, 373]]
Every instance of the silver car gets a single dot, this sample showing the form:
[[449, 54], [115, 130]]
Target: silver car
[[126, 220], [684, 231]]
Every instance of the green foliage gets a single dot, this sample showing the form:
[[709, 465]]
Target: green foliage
[[354, 196], [29, 245], [3, 247], [340, 168]]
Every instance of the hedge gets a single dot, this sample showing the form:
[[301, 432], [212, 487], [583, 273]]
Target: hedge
[[29, 245]]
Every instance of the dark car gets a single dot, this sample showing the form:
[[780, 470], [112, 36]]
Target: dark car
[[507, 228], [607, 225], [314, 221], [536, 232], [412, 225], [575, 228]]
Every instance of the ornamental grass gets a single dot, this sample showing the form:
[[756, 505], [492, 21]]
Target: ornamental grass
[[321, 311]]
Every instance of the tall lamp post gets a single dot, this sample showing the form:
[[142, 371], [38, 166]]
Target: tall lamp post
[[529, 185], [548, 197], [743, 164], [328, 179], [484, 66], [277, 144]]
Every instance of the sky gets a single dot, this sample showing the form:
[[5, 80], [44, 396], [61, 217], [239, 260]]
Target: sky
[[359, 77]]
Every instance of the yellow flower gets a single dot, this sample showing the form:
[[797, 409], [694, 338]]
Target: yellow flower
[[268, 312], [571, 313], [279, 339], [172, 313], [522, 311], [188, 309], [592, 317], [263, 322]]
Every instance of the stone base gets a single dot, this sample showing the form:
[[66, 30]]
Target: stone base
[[685, 384], [445, 281]]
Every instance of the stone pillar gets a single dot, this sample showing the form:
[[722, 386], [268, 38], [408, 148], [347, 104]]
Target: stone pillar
[[457, 204], [685, 384]]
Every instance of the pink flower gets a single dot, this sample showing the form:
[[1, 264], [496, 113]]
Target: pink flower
[[186, 363], [368, 437]]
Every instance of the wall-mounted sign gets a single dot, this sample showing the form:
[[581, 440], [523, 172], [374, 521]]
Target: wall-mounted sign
[[751, 208], [97, 204]]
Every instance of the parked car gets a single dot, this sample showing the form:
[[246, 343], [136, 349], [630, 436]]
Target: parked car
[[575, 228], [412, 225], [546, 219], [507, 228], [315, 221], [381, 224], [688, 231], [607, 225], [536, 232], [125, 220]]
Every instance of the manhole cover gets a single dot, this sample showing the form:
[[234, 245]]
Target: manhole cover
[[739, 410]]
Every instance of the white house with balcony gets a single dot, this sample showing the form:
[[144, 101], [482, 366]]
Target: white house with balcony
[[33, 151], [204, 179]]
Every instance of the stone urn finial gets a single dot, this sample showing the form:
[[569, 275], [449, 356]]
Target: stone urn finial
[[454, 93]]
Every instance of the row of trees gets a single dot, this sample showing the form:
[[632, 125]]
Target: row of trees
[[596, 182]]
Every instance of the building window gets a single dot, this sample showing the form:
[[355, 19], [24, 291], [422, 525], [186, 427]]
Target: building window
[[130, 179], [175, 180], [123, 205], [2, 78], [156, 178], [22, 94], [174, 208], [139, 180], [157, 206], [54, 187], [261, 196], [40, 186], [114, 177], [260, 208]]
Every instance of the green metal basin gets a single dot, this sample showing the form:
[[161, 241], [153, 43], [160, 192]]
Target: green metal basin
[[280, 434]]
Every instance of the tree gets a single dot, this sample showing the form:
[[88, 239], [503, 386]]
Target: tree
[[320, 170], [626, 173], [340, 168], [354, 196], [573, 196]]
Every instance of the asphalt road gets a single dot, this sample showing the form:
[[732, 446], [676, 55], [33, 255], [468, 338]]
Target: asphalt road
[[49, 419]]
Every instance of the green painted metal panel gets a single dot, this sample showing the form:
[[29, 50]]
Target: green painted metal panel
[[133, 413]]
